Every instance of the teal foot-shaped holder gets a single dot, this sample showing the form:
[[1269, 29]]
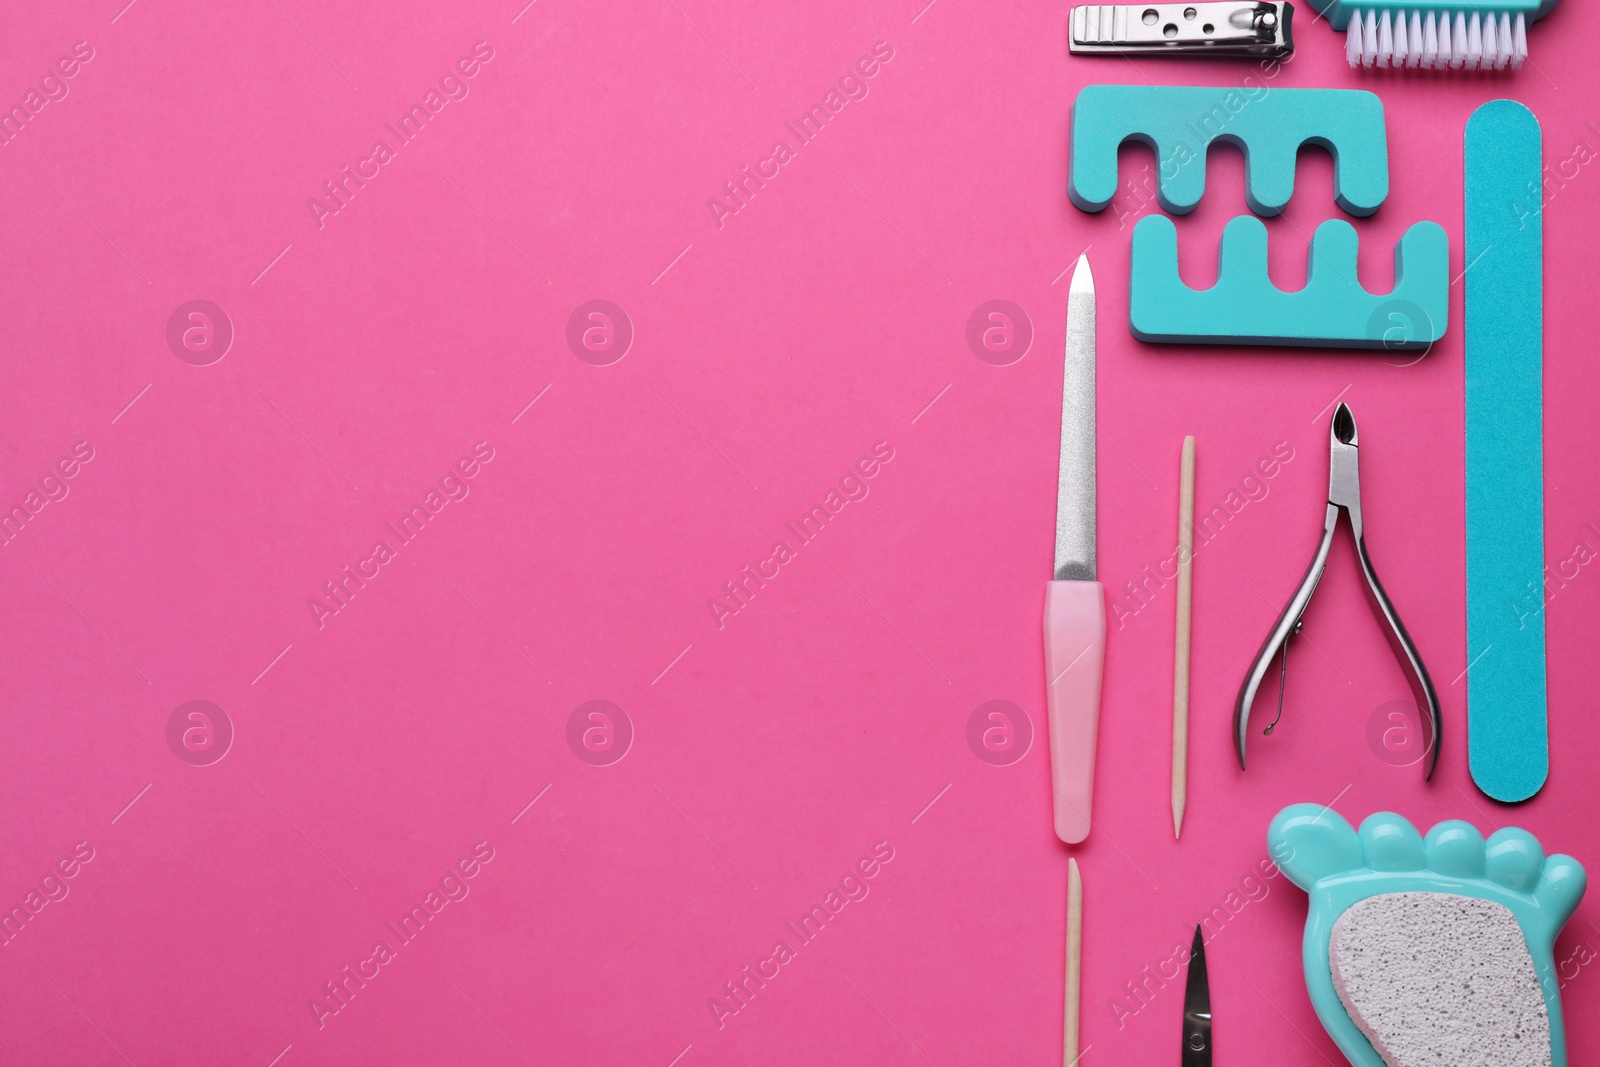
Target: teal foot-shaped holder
[[1423, 951], [1332, 311]]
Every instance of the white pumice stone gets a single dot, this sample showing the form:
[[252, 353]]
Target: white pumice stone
[[1440, 980]]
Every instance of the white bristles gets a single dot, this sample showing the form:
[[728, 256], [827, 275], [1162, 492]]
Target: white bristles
[[1436, 40]]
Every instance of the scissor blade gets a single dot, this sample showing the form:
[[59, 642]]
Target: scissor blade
[[1197, 1007], [1075, 481]]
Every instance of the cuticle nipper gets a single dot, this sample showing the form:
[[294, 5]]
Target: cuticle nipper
[[1344, 495]]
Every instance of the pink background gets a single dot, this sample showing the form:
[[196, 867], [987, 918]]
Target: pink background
[[770, 354]]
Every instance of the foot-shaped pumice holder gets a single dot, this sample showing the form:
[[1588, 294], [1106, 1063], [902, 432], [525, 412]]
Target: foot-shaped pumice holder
[[1429, 951]]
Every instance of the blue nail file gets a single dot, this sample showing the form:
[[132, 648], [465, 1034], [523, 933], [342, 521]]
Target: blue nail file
[[1181, 122], [1507, 720], [1331, 311]]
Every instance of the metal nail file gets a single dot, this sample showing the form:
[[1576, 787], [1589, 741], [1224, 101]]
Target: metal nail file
[[1507, 718], [1075, 602]]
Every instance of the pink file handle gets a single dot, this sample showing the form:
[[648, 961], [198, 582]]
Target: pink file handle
[[1074, 658]]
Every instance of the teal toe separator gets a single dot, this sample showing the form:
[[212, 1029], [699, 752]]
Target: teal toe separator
[[1507, 715], [1180, 123], [1334, 863], [1244, 307]]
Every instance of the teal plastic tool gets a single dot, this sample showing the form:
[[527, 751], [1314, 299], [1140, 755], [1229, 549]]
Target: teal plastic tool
[[1180, 124], [1507, 720], [1244, 307], [1339, 867]]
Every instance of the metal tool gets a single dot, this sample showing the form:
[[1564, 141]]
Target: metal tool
[[1256, 29], [1344, 495], [1197, 1007], [1074, 602]]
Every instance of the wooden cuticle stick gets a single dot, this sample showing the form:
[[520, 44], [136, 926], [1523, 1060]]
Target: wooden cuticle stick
[[1180, 657]]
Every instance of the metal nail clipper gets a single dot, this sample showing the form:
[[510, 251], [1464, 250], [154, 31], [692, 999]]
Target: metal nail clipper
[[1344, 495], [1250, 28]]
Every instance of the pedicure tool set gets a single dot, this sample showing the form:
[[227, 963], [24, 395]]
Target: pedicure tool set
[[1418, 949]]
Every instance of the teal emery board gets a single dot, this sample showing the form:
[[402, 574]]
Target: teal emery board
[[1507, 719], [1180, 123], [1331, 311]]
